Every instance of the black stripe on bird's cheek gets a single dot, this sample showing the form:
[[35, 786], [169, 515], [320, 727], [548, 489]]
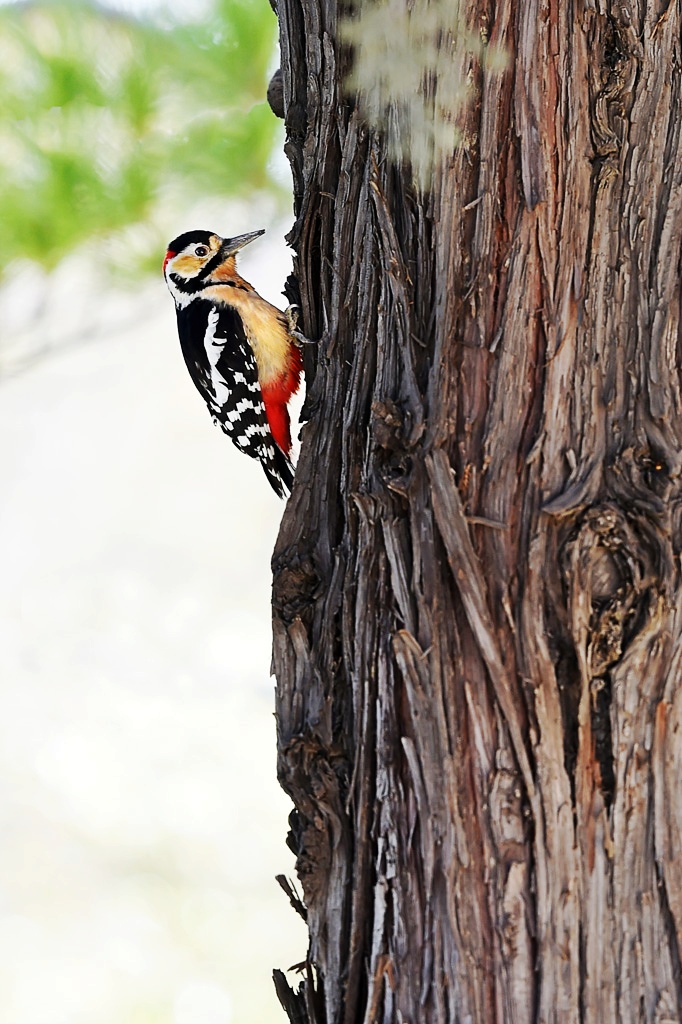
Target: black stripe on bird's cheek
[[212, 265], [189, 285]]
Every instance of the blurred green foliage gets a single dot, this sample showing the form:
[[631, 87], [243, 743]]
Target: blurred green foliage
[[106, 118]]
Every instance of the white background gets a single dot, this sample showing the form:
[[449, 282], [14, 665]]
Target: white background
[[141, 824]]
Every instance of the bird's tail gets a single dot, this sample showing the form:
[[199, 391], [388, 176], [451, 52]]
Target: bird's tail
[[279, 470]]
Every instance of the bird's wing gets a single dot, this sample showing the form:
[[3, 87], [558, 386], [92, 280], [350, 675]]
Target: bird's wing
[[235, 399]]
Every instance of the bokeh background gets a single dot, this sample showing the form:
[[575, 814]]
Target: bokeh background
[[141, 825]]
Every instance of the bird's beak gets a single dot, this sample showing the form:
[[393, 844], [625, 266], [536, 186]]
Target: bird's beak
[[231, 246]]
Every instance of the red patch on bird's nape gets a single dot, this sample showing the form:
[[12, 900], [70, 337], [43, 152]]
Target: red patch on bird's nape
[[169, 256]]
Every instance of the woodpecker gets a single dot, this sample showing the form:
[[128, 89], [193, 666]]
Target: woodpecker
[[241, 352]]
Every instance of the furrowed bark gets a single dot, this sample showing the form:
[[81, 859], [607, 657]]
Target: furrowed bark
[[477, 599]]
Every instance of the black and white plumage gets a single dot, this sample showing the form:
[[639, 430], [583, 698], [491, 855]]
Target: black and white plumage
[[242, 353], [223, 367]]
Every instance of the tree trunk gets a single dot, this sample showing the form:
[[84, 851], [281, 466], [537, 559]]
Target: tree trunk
[[477, 595]]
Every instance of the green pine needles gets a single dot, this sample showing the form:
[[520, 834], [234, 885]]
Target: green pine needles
[[104, 119]]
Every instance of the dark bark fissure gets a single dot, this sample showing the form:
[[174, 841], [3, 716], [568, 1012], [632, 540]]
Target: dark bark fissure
[[672, 934], [477, 600]]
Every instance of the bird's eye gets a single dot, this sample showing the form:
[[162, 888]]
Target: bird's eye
[[201, 250]]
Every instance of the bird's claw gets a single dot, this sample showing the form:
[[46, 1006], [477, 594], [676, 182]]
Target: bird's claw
[[300, 339], [291, 313]]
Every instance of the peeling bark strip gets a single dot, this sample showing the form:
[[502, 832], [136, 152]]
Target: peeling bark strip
[[477, 594]]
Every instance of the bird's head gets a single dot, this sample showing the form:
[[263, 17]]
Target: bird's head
[[193, 258]]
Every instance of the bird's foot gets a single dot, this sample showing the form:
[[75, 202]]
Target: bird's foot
[[291, 313]]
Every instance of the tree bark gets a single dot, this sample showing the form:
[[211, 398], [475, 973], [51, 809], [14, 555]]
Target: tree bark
[[477, 595]]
